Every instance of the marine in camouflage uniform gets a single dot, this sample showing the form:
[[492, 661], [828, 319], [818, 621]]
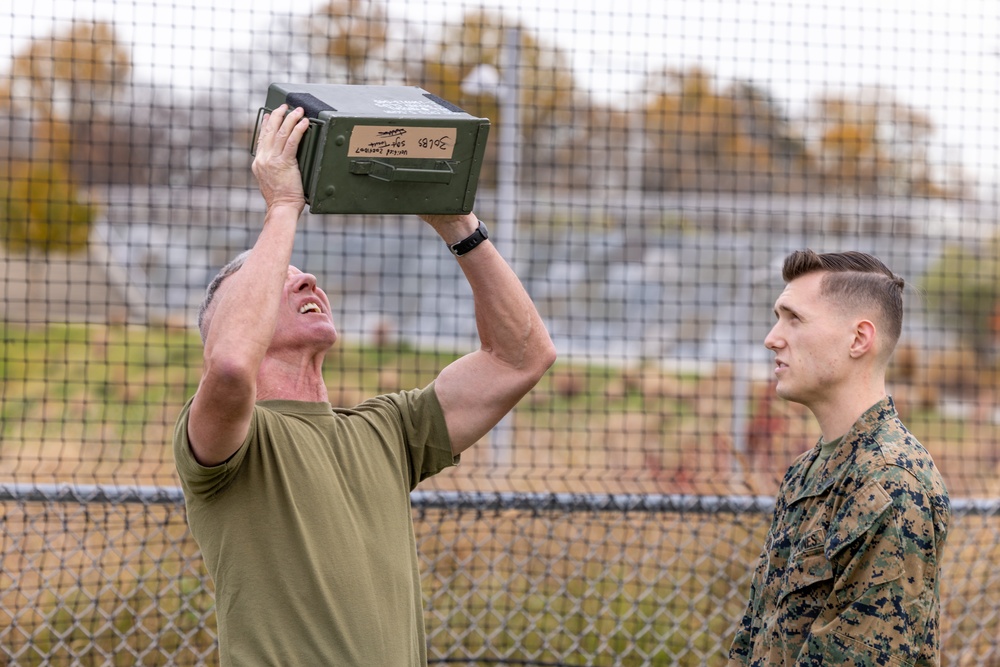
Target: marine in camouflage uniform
[[849, 570]]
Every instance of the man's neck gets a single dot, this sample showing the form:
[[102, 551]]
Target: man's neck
[[301, 381], [836, 418]]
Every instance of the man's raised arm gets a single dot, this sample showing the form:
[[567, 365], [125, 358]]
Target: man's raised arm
[[239, 323], [478, 389]]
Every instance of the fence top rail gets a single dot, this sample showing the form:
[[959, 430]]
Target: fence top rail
[[455, 500], [593, 502], [91, 493]]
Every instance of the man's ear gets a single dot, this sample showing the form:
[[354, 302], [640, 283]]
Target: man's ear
[[864, 339]]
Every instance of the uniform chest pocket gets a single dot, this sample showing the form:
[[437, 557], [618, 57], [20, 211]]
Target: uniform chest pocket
[[808, 568]]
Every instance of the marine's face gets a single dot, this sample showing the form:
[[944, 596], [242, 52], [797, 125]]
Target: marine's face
[[811, 342]]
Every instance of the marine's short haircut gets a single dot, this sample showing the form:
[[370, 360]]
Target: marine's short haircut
[[229, 269], [856, 280]]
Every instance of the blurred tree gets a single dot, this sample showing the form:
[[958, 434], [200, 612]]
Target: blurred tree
[[64, 82], [341, 42], [963, 294], [548, 97], [352, 34], [56, 90], [72, 99], [40, 208], [589, 146], [873, 144], [703, 138], [149, 137], [851, 154], [792, 167]]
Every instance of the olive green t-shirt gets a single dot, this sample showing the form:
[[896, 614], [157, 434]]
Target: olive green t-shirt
[[307, 530], [826, 450]]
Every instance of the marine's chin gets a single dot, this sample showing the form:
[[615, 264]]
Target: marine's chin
[[784, 391], [789, 394]]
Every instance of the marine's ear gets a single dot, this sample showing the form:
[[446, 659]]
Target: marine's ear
[[864, 338]]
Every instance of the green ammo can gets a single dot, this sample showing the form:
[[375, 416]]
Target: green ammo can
[[383, 149]]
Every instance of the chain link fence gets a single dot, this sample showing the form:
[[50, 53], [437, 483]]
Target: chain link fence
[[112, 576], [649, 166]]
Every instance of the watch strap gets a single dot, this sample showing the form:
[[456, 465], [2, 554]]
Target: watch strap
[[470, 241]]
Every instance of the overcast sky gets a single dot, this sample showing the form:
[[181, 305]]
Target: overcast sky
[[942, 57]]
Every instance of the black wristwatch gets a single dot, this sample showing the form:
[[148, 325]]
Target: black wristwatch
[[470, 242]]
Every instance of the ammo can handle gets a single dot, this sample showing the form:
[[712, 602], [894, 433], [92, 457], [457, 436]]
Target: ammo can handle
[[384, 171]]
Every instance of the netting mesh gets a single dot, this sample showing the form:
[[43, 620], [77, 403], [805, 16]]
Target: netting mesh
[[649, 166]]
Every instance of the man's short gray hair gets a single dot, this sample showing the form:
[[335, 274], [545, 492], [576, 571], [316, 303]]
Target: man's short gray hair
[[229, 269]]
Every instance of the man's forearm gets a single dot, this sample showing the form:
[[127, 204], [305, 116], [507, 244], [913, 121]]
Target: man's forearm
[[244, 321]]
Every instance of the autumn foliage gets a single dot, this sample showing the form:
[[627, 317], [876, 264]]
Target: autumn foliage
[[84, 120], [41, 209]]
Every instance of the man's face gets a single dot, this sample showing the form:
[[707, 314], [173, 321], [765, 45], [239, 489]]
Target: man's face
[[305, 316], [811, 342]]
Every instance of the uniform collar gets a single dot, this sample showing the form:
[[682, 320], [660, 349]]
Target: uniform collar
[[859, 437]]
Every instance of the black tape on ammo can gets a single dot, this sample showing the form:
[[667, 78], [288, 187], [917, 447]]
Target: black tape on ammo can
[[383, 149]]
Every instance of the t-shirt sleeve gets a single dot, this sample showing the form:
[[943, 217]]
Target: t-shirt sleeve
[[425, 433], [196, 479]]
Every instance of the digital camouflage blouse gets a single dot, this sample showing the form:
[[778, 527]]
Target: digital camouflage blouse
[[849, 570]]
